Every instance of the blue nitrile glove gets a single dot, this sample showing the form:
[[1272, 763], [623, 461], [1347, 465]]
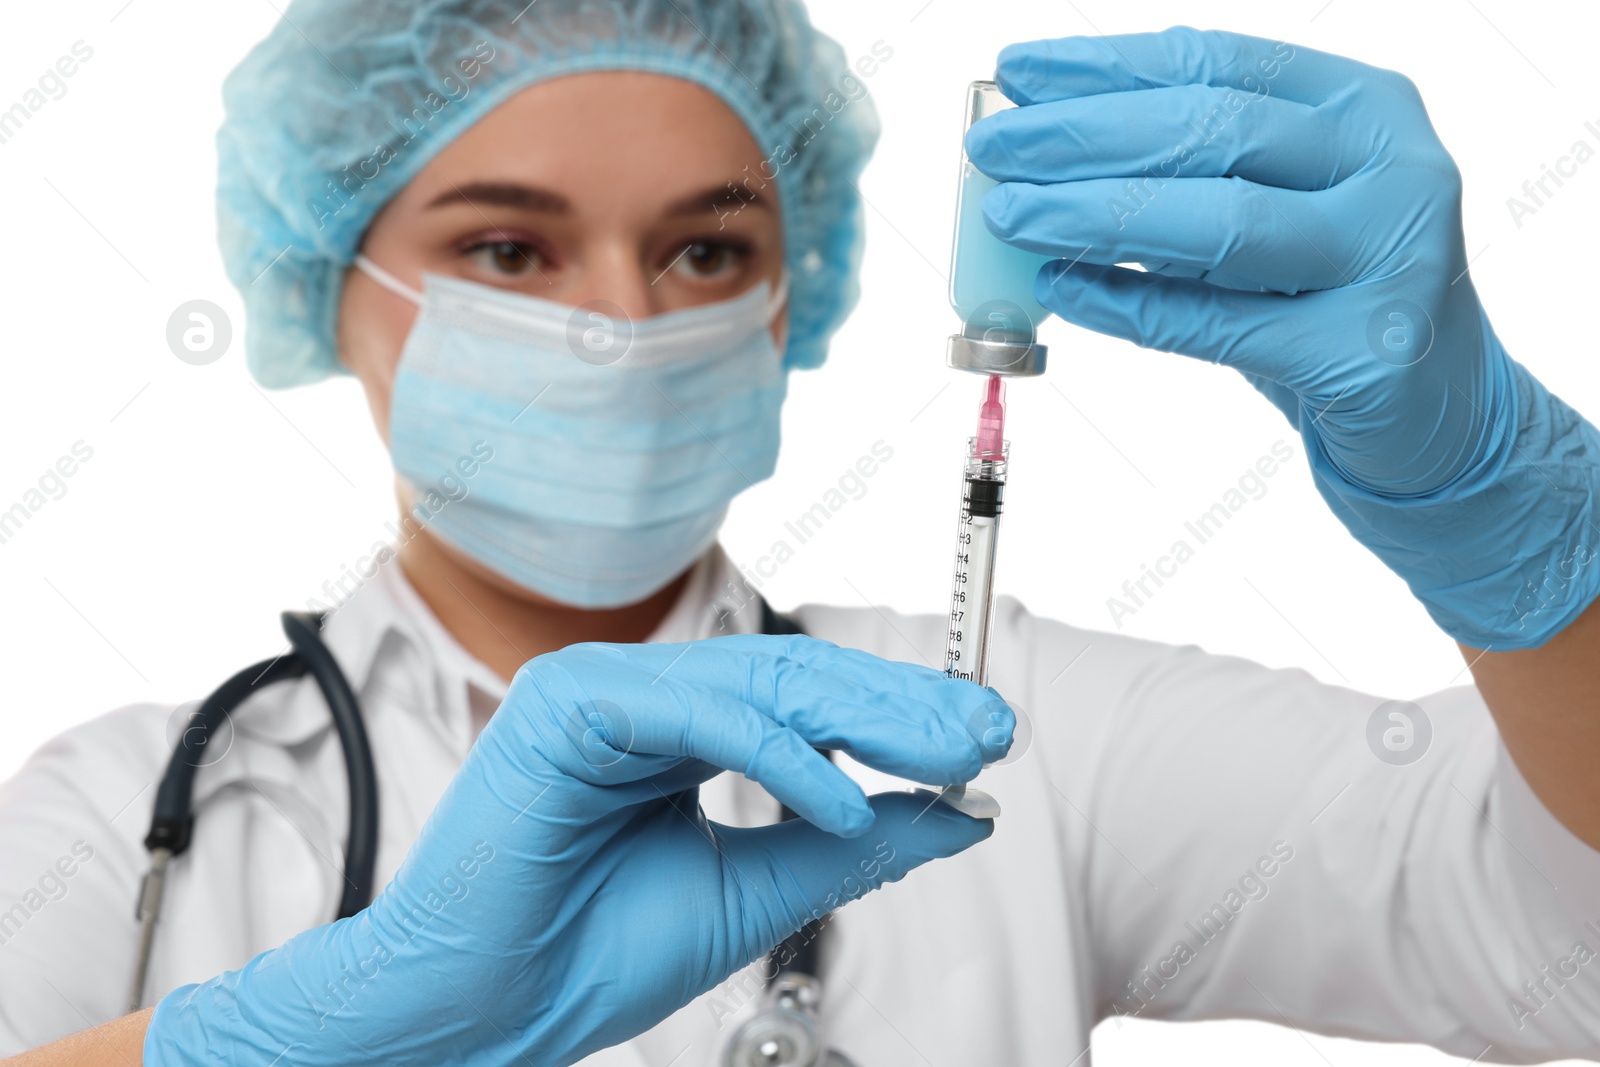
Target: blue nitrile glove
[[1300, 222], [567, 892]]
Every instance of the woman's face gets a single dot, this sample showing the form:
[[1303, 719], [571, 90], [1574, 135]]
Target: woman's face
[[610, 185]]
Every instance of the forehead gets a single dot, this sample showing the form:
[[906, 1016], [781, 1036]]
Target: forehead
[[614, 143]]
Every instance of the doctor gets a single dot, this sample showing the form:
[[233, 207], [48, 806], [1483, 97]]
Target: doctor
[[559, 661]]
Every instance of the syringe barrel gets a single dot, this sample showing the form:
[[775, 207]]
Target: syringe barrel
[[972, 586]]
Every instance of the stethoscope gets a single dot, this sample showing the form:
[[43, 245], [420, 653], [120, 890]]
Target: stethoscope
[[785, 1032]]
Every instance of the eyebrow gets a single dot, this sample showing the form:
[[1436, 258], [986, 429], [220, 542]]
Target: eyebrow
[[504, 194], [532, 198]]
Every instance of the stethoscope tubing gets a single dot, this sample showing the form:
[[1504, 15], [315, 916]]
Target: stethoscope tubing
[[172, 822]]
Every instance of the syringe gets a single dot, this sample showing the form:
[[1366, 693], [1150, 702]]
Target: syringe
[[983, 483]]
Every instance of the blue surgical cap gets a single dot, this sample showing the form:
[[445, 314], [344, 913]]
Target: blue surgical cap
[[346, 100]]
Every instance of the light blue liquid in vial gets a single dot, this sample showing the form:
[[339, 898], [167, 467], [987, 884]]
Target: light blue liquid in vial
[[991, 282]]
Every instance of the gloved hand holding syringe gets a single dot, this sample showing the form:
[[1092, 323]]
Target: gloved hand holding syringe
[[991, 289]]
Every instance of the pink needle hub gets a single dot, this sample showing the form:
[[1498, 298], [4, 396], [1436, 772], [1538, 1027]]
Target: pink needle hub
[[992, 419]]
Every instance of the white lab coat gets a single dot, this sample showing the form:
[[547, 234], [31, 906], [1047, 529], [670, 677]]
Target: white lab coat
[[1188, 836]]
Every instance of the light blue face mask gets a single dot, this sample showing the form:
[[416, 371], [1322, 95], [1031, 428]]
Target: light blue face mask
[[616, 446]]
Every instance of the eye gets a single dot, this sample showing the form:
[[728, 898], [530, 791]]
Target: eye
[[710, 259], [511, 258]]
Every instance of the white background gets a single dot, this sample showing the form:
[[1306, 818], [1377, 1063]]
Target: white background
[[209, 505]]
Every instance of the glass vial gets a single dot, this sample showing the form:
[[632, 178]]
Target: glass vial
[[991, 282]]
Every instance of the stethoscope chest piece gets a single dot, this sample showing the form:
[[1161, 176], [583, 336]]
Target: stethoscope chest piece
[[784, 1033]]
